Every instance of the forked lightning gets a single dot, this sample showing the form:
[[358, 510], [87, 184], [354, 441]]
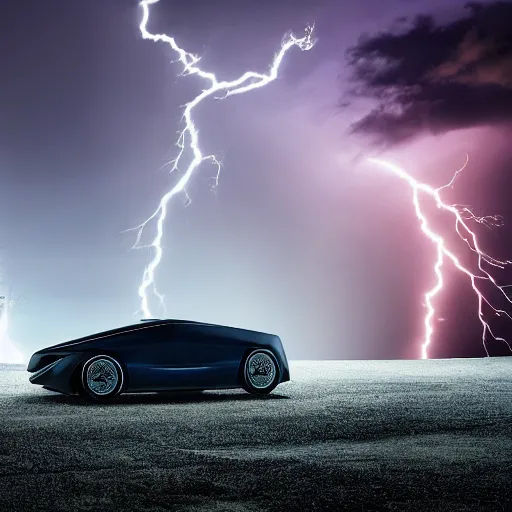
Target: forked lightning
[[188, 139], [461, 217]]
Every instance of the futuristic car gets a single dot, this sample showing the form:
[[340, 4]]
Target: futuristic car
[[162, 355]]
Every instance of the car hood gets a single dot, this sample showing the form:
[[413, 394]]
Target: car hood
[[50, 354]]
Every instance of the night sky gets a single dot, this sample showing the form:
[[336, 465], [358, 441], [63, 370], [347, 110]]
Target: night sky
[[302, 238]]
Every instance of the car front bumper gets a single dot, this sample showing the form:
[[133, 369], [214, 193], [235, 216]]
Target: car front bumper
[[57, 375]]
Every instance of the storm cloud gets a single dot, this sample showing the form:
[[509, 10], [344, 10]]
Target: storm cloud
[[436, 78]]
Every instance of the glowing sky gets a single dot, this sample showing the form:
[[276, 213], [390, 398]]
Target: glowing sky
[[300, 238]]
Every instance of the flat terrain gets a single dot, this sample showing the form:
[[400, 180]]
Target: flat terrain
[[355, 435]]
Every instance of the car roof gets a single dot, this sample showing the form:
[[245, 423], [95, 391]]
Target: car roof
[[146, 323]]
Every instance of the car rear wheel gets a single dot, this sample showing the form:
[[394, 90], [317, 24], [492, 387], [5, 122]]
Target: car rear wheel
[[261, 372], [101, 378]]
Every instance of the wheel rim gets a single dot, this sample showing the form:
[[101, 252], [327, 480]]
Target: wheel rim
[[102, 377], [261, 370]]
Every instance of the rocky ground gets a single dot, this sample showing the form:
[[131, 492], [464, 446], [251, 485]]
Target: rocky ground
[[355, 435]]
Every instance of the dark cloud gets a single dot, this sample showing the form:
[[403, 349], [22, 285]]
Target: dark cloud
[[436, 78]]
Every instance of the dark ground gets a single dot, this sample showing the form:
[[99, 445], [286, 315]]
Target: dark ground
[[355, 435]]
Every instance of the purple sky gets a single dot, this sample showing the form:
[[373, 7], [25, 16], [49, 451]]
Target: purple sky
[[301, 238]]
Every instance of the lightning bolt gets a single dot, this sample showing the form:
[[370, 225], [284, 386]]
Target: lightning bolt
[[461, 216], [189, 137], [9, 353]]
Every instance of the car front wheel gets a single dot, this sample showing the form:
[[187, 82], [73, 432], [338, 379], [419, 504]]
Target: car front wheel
[[101, 378], [261, 372]]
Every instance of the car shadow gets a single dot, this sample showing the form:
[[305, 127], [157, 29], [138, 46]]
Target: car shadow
[[167, 397]]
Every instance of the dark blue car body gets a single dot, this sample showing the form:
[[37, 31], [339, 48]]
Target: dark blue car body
[[160, 355]]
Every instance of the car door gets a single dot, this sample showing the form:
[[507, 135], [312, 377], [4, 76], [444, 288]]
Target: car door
[[170, 356], [191, 364], [211, 357], [151, 357]]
